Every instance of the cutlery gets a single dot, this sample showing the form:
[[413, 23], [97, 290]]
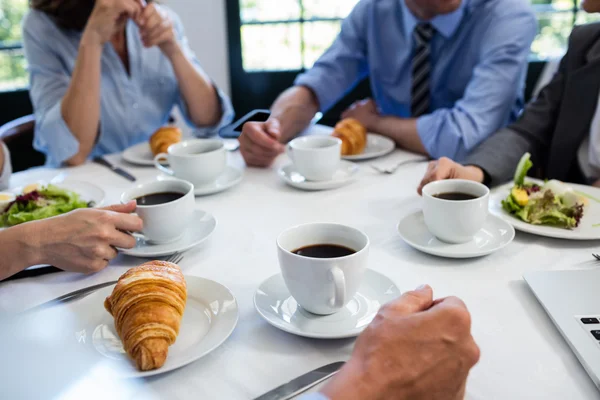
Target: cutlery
[[393, 169], [30, 273], [117, 170], [596, 256], [78, 294], [302, 383], [175, 258]]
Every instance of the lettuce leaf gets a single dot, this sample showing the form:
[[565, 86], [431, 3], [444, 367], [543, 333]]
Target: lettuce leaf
[[523, 167]]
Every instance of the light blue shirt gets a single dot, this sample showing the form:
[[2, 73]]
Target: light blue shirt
[[132, 106], [479, 62]]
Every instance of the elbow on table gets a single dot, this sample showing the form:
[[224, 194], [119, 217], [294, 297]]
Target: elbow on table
[[78, 159]]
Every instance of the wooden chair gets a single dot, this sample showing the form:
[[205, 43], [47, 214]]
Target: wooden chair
[[18, 137]]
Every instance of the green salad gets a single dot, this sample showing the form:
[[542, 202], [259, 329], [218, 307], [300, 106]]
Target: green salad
[[40, 203], [554, 203]]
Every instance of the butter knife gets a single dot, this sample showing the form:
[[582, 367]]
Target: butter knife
[[119, 171], [78, 294], [302, 383]]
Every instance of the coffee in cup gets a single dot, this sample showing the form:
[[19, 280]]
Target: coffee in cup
[[166, 208], [199, 161], [317, 158], [455, 209], [323, 264]]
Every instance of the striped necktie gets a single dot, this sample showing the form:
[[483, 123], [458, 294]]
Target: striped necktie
[[421, 70]]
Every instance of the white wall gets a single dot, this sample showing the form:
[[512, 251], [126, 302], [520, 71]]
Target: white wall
[[206, 28]]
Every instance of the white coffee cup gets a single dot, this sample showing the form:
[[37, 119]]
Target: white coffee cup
[[166, 222], [455, 221], [322, 285], [316, 158], [199, 161]]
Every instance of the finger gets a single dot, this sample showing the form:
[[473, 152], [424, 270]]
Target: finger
[[131, 8], [122, 240], [147, 12], [430, 175], [258, 151], [110, 253], [259, 136], [273, 128], [160, 35], [258, 156], [128, 222], [414, 301], [122, 208], [257, 161], [150, 23]]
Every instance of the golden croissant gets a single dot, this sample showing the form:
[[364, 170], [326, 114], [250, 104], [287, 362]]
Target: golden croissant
[[163, 138], [147, 304], [353, 135]]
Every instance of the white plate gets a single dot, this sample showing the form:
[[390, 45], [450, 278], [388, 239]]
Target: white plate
[[377, 146], [230, 178], [274, 303], [211, 314], [585, 230], [202, 225], [343, 176], [140, 154], [87, 191], [495, 235]]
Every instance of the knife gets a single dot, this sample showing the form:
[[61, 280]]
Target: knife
[[31, 273], [78, 294], [115, 169], [302, 383]]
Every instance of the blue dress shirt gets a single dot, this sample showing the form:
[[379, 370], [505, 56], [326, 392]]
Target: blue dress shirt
[[133, 106], [479, 61]]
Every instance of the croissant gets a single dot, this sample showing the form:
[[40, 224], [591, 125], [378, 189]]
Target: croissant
[[353, 135], [163, 138], [147, 305]]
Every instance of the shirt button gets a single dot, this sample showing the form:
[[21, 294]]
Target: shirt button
[[136, 106]]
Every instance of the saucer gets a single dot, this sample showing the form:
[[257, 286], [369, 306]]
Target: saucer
[[377, 146], [228, 179], [495, 235], [343, 176], [201, 227], [274, 303], [140, 154]]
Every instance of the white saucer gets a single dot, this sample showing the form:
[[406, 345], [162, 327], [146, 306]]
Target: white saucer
[[201, 227], [377, 146], [274, 303], [343, 176], [140, 154], [495, 234], [228, 179]]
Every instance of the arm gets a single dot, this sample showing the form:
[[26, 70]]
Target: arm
[[5, 166], [294, 109], [490, 94], [16, 251]]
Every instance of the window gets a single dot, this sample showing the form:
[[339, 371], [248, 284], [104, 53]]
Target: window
[[13, 74], [289, 35]]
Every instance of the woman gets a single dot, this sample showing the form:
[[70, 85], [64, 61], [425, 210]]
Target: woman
[[105, 74], [561, 128]]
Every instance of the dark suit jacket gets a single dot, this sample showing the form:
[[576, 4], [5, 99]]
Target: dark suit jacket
[[553, 126]]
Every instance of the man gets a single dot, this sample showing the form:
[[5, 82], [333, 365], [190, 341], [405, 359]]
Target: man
[[444, 75], [81, 241], [561, 127], [415, 349]]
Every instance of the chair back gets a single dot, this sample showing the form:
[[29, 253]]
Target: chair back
[[18, 137]]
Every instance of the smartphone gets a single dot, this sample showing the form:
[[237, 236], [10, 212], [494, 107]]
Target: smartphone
[[234, 130]]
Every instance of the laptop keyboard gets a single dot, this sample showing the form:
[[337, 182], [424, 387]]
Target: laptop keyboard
[[590, 324]]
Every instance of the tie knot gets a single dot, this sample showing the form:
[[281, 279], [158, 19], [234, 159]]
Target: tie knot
[[423, 32]]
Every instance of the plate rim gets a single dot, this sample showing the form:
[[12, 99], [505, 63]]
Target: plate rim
[[455, 256], [372, 156], [126, 155], [322, 185]]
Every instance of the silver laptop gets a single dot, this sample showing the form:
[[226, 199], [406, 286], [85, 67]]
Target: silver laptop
[[572, 299]]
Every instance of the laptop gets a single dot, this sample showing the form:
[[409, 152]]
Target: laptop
[[572, 300]]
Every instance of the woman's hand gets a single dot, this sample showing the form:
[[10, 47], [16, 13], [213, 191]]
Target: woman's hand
[[156, 29], [110, 16]]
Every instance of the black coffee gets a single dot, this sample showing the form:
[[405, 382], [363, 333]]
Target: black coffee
[[154, 199], [324, 251], [455, 196]]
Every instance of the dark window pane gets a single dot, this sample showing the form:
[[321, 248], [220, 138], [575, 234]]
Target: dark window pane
[[269, 10], [318, 36], [271, 47]]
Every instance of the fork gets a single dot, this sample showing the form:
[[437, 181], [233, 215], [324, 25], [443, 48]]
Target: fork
[[596, 256], [175, 258], [392, 170]]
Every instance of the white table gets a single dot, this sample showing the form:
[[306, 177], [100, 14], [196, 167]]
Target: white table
[[523, 355]]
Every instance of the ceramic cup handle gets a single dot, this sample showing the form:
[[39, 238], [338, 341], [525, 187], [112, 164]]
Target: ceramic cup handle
[[290, 152], [339, 284], [161, 167]]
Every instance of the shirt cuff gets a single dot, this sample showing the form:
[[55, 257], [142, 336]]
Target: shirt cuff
[[227, 115], [314, 83], [54, 138], [313, 396], [6, 168]]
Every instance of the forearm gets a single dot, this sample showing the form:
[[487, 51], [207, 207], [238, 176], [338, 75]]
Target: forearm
[[17, 250], [81, 103], [402, 130], [199, 94], [295, 108]]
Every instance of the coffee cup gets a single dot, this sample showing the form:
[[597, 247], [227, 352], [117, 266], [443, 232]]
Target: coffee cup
[[323, 264], [316, 158], [166, 208], [199, 161], [455, 209]]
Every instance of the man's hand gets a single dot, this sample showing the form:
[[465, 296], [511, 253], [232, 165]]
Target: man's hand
[[259, 142], [445, 168], [157, 29], [85, 240], [365, 112], [108, 17], [415, 349]]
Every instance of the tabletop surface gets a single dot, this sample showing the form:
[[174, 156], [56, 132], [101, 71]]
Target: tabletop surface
[[523, 354]]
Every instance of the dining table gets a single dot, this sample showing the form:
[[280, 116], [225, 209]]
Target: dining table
[[523, 355]]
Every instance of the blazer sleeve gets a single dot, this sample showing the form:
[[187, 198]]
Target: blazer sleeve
[[532, 132]]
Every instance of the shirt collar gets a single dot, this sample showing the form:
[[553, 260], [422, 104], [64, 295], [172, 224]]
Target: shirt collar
[[445, 24]]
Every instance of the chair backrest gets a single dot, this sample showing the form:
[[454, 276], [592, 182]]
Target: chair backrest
[[18, 137]]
